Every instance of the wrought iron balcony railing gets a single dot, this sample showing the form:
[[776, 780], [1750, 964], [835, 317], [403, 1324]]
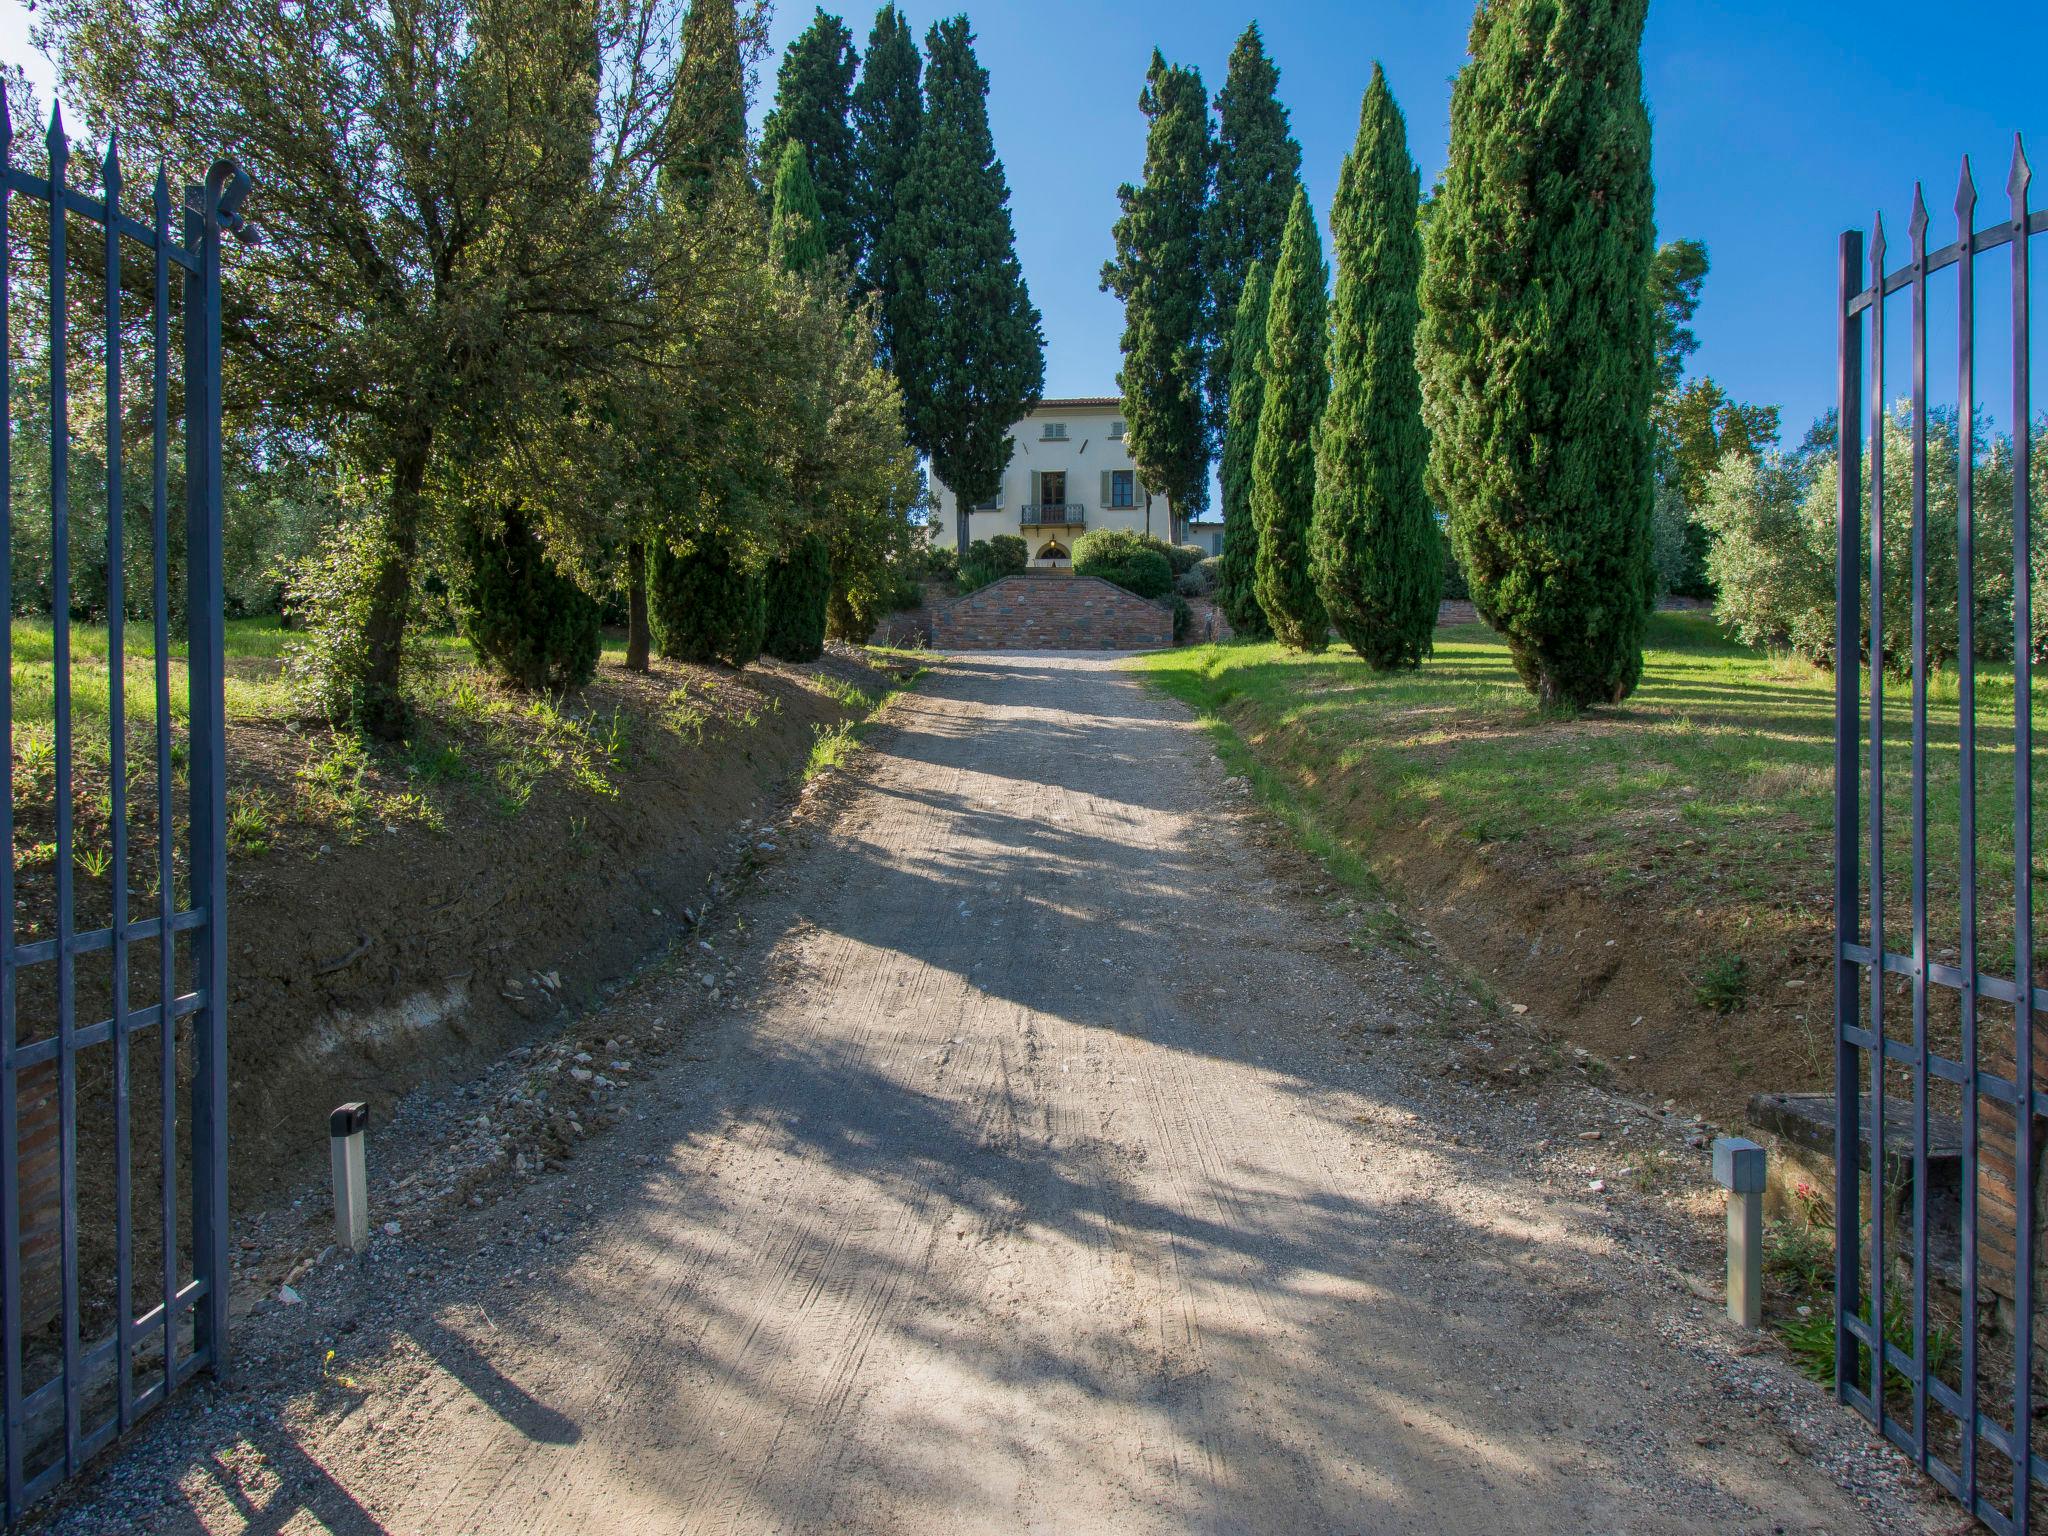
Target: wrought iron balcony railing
[[1055, 514]]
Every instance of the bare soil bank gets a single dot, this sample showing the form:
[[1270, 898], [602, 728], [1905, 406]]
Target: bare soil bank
[[417, 954], [1619, 981]]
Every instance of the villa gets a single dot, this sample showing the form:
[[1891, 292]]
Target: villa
[[1070, 472]]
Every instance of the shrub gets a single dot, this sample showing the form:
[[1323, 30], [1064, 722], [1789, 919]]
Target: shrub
[[1772, 556], [798, 586], [1137, 563], [851, 615], [327, 664], [990, 560], [706, 605], [1183, 619], [1185, 557], [1200, 581], [905, 592], [527, 622]]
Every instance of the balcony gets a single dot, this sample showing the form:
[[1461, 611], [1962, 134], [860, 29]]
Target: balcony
[[1055, 514]]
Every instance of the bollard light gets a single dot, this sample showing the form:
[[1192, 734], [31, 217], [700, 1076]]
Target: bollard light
[[345, 1129], [1739, 1169]]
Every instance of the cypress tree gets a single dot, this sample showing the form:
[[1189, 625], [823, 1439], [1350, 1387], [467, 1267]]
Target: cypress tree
[[798, 587], [888, 113], [1284, 461], [1157, 272], [1374, 546], [1236, 594], [528, 622], [1258, 166], [813, 96], [966, 342], [799, 582], [796, 228], [707, 605], [1538, 341], [707, 124]]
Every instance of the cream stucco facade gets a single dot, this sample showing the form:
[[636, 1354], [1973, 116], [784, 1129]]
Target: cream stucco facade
[[1070, 473]]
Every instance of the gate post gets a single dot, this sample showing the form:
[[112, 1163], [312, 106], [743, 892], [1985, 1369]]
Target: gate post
[[207, 774]]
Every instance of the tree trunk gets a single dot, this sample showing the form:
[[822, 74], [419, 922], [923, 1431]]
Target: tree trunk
[[964, 516], [639, 639], [380, 705]]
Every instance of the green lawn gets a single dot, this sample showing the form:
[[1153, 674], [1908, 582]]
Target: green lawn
[[1710, 789]]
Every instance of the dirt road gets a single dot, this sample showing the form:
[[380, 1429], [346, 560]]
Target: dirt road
[[1072, 1161]]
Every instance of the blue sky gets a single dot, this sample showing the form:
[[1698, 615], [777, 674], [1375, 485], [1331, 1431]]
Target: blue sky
[[1777, 126]]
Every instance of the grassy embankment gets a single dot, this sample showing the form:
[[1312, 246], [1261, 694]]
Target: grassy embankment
[[470, 731], [1690, 828]]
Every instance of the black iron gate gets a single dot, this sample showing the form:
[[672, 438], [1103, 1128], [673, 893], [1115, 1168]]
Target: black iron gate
[[107, 916], [1936, 1014]]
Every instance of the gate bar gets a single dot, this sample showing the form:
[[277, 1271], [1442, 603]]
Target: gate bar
[[1918, 229], [1877, 939], [205, 207], [2023, 843], [60, 650], [10, 1196], [1965, 1408], [166, 831], [117, 791]]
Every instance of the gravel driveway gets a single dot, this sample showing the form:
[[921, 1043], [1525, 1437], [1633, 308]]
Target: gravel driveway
[[1064, 1153]]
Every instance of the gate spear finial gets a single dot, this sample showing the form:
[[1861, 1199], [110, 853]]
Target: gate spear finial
[[1966, 198]]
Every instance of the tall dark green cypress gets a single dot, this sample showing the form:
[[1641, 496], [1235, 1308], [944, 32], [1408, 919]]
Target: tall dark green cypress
[[1157, 272], [888, 114], [1374, 546], [796, 225], [1539, 411], [707, 605], [798, 582], [797, 589], [1236, 592], [1258, 166], [1284, 462], [967, 346], [813, 97], [707, 122], [531, 624]]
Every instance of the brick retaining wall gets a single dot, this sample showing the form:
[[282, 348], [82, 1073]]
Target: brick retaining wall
[[1052, 612]]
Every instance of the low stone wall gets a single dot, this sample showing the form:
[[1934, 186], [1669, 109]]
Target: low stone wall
[[1052, 612]]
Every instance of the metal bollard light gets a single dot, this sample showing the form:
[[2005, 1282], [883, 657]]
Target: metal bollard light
[[1739, 1169], [345, 1129]]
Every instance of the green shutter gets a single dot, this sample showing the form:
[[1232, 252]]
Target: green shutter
[[1036, 499], [1107, 475]]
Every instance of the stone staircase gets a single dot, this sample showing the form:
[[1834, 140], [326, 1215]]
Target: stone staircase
[[1051, 611]]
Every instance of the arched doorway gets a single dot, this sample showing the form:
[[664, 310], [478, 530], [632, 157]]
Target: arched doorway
[[1052, 552]]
